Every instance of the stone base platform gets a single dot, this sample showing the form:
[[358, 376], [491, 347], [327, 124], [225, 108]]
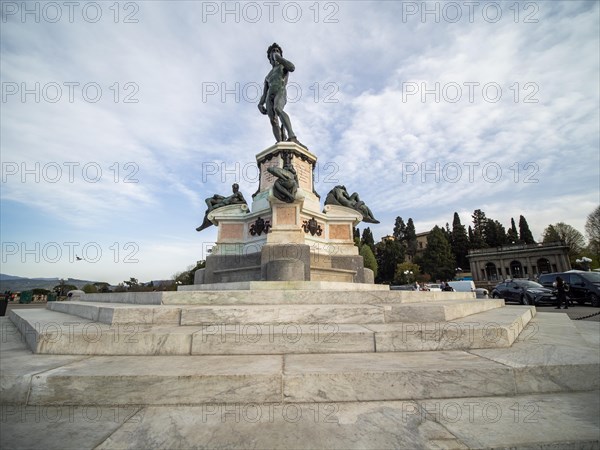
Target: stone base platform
[[50, 332], [273, 297], [541, 392]]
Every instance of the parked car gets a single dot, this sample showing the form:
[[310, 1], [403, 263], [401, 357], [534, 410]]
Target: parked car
[[468, 286], [433, 287], [583, 287], [524, 292], [462, 286]]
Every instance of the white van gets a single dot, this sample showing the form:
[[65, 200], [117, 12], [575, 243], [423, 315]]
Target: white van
[[468, 286], [462, 286]]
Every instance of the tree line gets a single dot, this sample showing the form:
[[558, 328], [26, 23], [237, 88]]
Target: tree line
[[395, 259], [185, 277]]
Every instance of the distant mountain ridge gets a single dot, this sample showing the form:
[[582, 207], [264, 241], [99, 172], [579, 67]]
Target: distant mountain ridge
[[4, 277], [17, 284]]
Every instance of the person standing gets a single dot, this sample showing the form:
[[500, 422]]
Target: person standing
[[561, 295]]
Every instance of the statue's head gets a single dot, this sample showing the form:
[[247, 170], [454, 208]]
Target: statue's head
[[235, 187], [272, 47]]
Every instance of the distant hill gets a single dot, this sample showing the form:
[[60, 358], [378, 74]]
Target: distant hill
[[17, 284], [5, 277]]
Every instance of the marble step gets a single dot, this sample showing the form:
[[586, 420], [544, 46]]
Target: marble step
[[51, 332], [168, 380], [442, 310], [117, 313], [274, 296], [564, 416], [56, 333], [549, 356], [495, 328], [113, 313], [337, 314]]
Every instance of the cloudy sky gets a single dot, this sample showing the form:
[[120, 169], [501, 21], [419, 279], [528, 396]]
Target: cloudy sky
[[119, 119]]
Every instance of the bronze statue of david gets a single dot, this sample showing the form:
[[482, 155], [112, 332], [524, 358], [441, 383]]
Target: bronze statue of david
[[274, 96]]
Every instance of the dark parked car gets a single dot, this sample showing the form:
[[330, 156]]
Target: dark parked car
[[583, 287], [524, 291]]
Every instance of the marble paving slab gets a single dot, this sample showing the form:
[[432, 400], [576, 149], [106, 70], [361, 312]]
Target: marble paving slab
[[64, 427], [18, 365], [548, 421], [544, 421], [589, 331], [238, 426], [550, 356]]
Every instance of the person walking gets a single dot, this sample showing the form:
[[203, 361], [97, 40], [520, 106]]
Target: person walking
[[561, 295]]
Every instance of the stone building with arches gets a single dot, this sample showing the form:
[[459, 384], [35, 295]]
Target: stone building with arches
[[518, 261]]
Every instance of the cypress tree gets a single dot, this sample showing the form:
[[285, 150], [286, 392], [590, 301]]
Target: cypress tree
[[525, 232], [479, 221], [460, 243], [512, 235], [495, 233], [411, 238], [389, 253], [399, 229], [367, 239], [437, 259]]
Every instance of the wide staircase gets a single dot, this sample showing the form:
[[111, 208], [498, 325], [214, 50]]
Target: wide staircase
[[278, 366]]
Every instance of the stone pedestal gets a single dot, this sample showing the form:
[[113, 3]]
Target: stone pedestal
[[279, 241]]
